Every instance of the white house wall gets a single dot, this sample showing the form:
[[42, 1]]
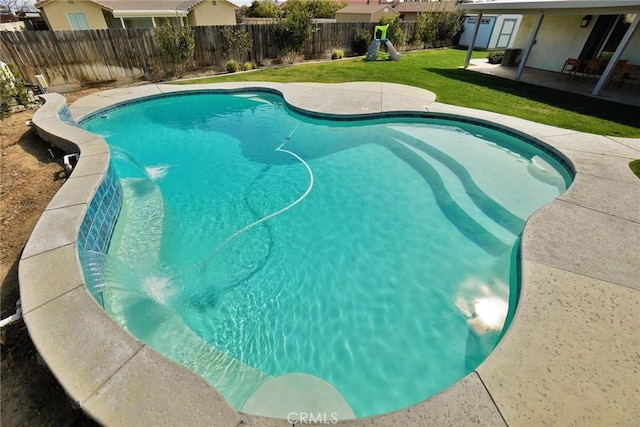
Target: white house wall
[[632, 52], [560, 37]]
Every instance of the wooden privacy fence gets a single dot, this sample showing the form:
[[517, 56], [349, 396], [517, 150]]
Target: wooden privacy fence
[[72, 57]]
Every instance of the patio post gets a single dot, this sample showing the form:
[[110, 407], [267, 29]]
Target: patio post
[[527, 50], [616, 55], [473, 40]]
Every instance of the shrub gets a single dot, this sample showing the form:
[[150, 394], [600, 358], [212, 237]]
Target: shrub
[[263, 9], [231, 66], [248, 66], [449, 25], [177, 46], [495, 57], [293, 32], [337, 54], [7, 98], [237, 42], [13, 92], [427, 29], [361, 41]]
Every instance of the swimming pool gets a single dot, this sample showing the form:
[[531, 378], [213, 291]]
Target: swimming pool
[[389, 270]]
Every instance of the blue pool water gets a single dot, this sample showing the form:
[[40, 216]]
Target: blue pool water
[[378, 255]]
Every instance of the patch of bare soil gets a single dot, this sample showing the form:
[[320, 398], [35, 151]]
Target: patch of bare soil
[[29, 177]]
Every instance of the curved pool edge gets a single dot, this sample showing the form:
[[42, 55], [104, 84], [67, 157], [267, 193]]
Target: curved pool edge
[[560, 361]]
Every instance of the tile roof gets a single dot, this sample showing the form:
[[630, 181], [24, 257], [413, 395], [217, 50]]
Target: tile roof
[[141, 5], [146, 4]]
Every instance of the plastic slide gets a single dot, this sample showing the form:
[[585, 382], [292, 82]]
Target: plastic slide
[[393, 53], [374, 47]]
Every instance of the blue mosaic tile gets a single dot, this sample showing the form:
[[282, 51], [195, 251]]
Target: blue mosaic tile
[[65, 115], [99, 222]]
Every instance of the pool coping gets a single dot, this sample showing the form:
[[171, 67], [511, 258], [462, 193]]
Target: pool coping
[[570, 355]]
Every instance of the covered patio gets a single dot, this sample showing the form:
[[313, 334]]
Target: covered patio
[[556, 31], [615, 92]]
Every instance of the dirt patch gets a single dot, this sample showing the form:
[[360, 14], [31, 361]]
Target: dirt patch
[[30, 174]]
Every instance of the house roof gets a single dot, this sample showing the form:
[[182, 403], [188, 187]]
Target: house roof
[[365, 8], [143, 5], [558, 7], [353, 2], [426, 6]]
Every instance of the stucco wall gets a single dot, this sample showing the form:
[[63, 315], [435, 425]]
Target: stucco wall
[[632, 52], [365, 17], [390, 13], [353, 17], [559, 38], [56, 14], [206, 13], [410, 16]]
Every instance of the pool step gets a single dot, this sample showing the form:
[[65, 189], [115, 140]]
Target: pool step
[[468, 226], [235, 380], [456, 186], [141, 220]]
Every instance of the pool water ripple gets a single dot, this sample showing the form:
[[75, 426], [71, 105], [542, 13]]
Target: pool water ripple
[[385, 265]]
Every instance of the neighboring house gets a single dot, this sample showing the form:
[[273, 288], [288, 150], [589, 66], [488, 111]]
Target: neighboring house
[[103, 14], [409, 11], [365, 13], [495, 32], [554, 30]]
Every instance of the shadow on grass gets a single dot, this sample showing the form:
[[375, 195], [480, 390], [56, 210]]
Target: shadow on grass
[[581, 104]]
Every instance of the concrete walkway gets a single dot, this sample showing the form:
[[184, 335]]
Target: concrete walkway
[[579, 85], [570, 357]]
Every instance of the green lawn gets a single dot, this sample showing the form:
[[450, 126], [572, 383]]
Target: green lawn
[[439, 71]]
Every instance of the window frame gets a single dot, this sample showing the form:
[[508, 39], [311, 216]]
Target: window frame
[[75, 23]]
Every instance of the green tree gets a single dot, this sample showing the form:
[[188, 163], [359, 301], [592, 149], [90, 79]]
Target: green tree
[[263, 9], [324, 8], [177, 46], [449, 25], [293, 32], [237, 43], [433, 27], [426, 29]]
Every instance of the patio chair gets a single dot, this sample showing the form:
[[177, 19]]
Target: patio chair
[[621, 73], [570, 67], [593, 68], [632, 79]]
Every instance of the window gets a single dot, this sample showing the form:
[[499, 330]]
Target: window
[[78, 21], [138, 22]]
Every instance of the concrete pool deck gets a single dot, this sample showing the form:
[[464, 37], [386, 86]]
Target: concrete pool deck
[[570, 356]]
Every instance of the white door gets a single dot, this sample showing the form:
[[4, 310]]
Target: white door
[[506, 32]]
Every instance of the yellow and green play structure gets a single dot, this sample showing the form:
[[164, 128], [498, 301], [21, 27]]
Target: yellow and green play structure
[[374, 47]]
